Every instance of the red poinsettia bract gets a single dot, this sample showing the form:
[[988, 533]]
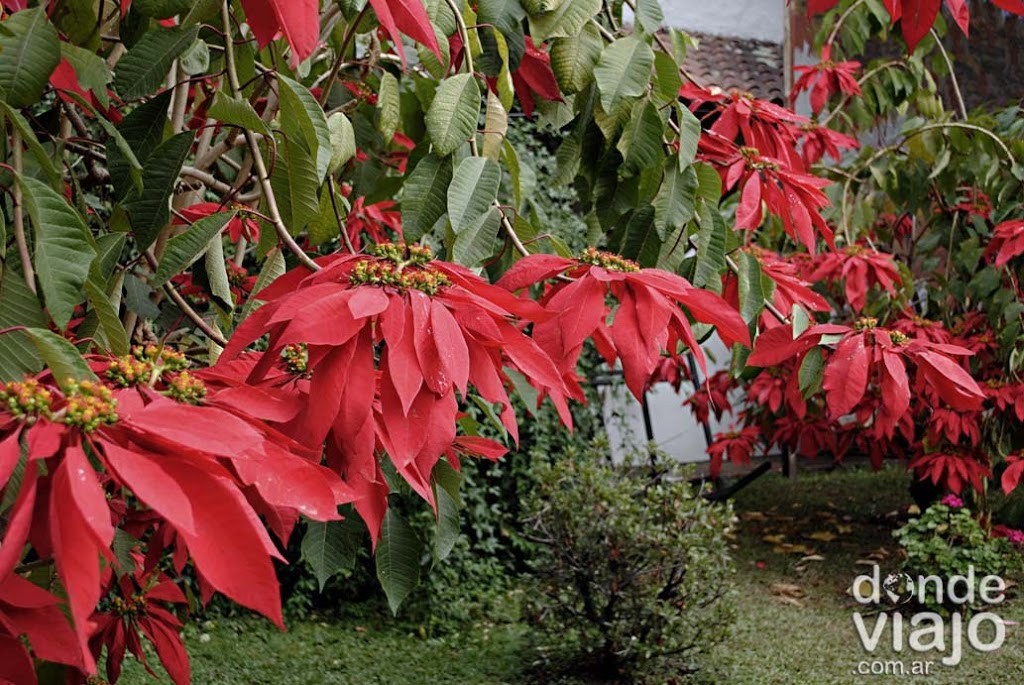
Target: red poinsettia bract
[[535, 77], [141, 602], [763, 182], [238, 226], [825, 79], [408, 17], [750, 122], [298, 20], [816, 141], [917, 17], [952, 470], [737, 446], [791, 288], [648, 318], [858, 267], [1007, 242], [201, 473], [374, 220], [1013, 473], [867, 353], [386, 340]]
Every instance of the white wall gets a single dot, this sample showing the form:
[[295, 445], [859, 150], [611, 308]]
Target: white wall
[[676, 432], [759, 19]]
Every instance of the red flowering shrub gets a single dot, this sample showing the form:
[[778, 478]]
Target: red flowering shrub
[[647, 319], [439, 330], [200, 470], [162, 206]]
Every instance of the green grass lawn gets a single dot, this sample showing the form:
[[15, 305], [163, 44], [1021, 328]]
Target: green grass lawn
[[797, 552], [807, 636]]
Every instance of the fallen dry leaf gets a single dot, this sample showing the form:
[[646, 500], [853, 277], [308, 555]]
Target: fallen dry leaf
[[788, 593], [789, 548]]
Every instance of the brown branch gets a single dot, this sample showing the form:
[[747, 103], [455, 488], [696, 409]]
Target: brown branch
[[257, 156]]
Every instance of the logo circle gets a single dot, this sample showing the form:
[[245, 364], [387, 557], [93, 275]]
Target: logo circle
[[899, 587]]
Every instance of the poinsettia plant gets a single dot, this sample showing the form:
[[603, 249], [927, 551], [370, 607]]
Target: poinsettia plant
[[259, 257], [906, 340]]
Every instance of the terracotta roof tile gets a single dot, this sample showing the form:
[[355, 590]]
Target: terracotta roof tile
[[738, 63]]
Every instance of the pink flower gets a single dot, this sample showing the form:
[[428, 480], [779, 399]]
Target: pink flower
[[952, 501], [1015, 536]]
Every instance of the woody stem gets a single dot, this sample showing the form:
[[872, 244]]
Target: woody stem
[[257, 156]]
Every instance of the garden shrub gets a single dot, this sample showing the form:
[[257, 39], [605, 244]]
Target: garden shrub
[[634, 575], [947, 540]]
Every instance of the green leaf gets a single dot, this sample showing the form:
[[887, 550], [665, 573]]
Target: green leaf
[[475, 244], [709, 183], [500, 61], [801, 321], [495, 127], [330, 547], [150, 212], [689, 136], [28, 136], [162, 9], [273, 267], [640, 143], [449, 528], [674, 203], [63, 252], [473, 190], [122, 546], [511, 159], [217, 274], [143, 69], [92, 71], [237, 112], [564, 21], [108, 252], [60, 356], [573, 58], [186, 247], [649, 15], [452, 117], [137, 298], [77, 22], [389, 112], [424, 195], [133, 141], [324, 226], [811, 371], [505, 15], [624, 70], [751, 294], [302, 119], [343, 141], [642, 243], [437, 68], [296, 186], [397, 559], [710, 259], [202, 11], [18, 307], [113, 333], [29, 52], [195, 60], [666, 77]]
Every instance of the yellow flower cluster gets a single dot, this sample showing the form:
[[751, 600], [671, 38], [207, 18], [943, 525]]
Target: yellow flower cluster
[[608, 260], [28, 398], [89, 405]]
